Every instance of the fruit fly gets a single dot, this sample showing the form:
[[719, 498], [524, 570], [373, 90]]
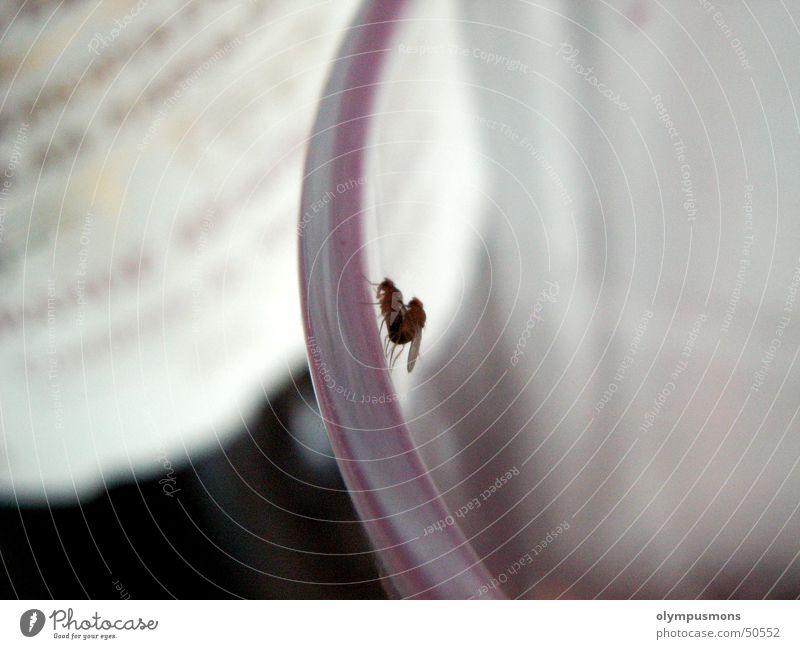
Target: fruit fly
[[404, 322]]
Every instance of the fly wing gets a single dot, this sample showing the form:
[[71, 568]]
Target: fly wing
[[397, 309], [413, 352]]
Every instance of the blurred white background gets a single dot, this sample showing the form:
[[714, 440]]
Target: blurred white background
[[632, 159]]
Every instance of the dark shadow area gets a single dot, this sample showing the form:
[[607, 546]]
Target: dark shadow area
[[265, 517]]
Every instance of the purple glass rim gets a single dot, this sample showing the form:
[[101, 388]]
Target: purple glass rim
[[385, 475]]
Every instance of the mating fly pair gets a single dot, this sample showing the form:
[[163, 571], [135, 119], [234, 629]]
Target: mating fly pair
[[404, 322]]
